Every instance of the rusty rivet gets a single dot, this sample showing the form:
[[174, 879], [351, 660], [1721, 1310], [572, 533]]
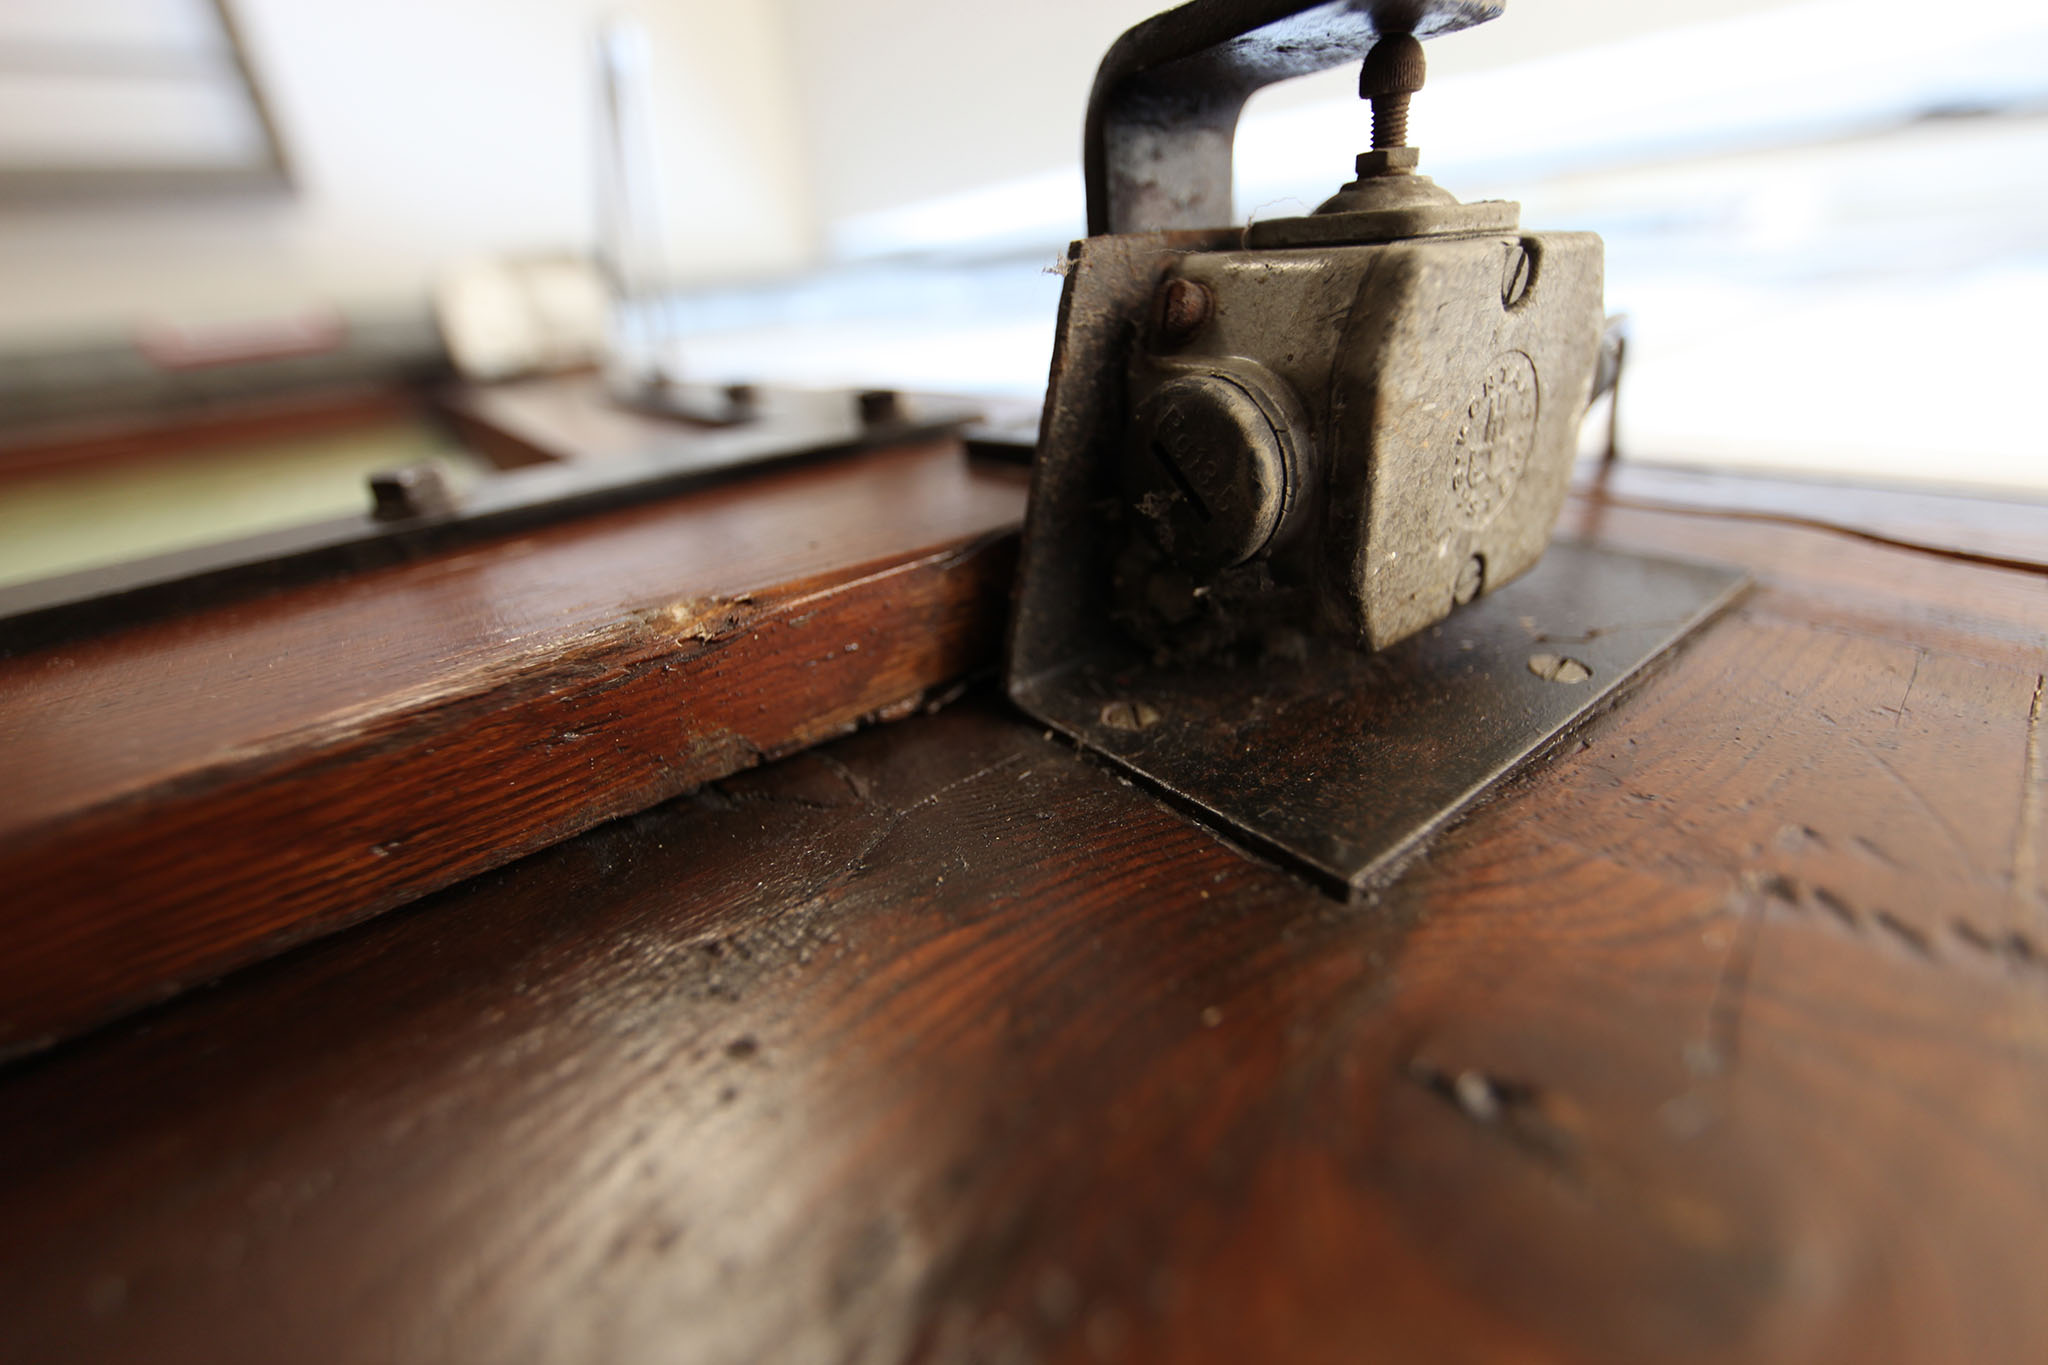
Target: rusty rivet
[[1129, 715], [1184, 305], [1471, 578], [1558, 669]]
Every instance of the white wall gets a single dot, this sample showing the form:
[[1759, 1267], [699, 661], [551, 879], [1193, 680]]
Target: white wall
[[913, 100], [422, 131]]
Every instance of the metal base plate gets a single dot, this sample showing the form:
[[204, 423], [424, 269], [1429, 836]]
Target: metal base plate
[[1343, 762]]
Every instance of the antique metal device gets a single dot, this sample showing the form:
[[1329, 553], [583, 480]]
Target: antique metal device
[[1276, 460]]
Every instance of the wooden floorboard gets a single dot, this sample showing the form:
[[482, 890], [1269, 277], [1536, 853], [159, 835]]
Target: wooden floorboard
[[1720, 1036], [192, 794]]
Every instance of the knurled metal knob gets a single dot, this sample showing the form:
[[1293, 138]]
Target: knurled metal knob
[[1206, 471], [1393, 71]]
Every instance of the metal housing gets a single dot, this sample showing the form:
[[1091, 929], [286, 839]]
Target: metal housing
[[1274, 461]]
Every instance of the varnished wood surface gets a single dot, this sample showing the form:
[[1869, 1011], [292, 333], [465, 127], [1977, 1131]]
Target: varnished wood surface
[[1722, 1036], [188, 795]]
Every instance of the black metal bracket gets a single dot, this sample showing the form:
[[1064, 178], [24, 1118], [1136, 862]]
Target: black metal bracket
[[1342, 762], [1163, 111]]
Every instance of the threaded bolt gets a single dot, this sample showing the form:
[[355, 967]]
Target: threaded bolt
[[1389, 122], [1392, 72]]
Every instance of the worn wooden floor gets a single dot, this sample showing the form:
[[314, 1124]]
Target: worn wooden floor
[[1722, 1036]]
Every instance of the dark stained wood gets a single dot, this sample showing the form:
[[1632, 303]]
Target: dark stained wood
[[1721, 1036], [195, 793]]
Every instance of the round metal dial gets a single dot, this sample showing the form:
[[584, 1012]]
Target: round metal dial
[[1206, 471]]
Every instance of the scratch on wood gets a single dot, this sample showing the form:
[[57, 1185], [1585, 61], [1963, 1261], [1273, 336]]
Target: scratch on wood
[[1716, 1052], [1927, 808], [1905, 933], [2014, 949], [1836, 906], [986, 770], [1778, 886], [855, 783], [894, 819], [2026, 852], [1889, 542], [1973, 936], [1919, 657]]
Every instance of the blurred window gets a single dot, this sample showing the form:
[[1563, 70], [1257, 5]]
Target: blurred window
[[1827, 221], [125, 96]]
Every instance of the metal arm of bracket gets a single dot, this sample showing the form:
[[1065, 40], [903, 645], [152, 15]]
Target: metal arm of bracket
[[1163, 110]]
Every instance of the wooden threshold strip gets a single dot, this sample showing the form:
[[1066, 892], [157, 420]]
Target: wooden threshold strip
[[194, 794]]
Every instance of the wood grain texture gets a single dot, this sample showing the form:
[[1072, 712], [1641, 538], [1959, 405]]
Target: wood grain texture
[[189, 795], [1721, 1036]]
